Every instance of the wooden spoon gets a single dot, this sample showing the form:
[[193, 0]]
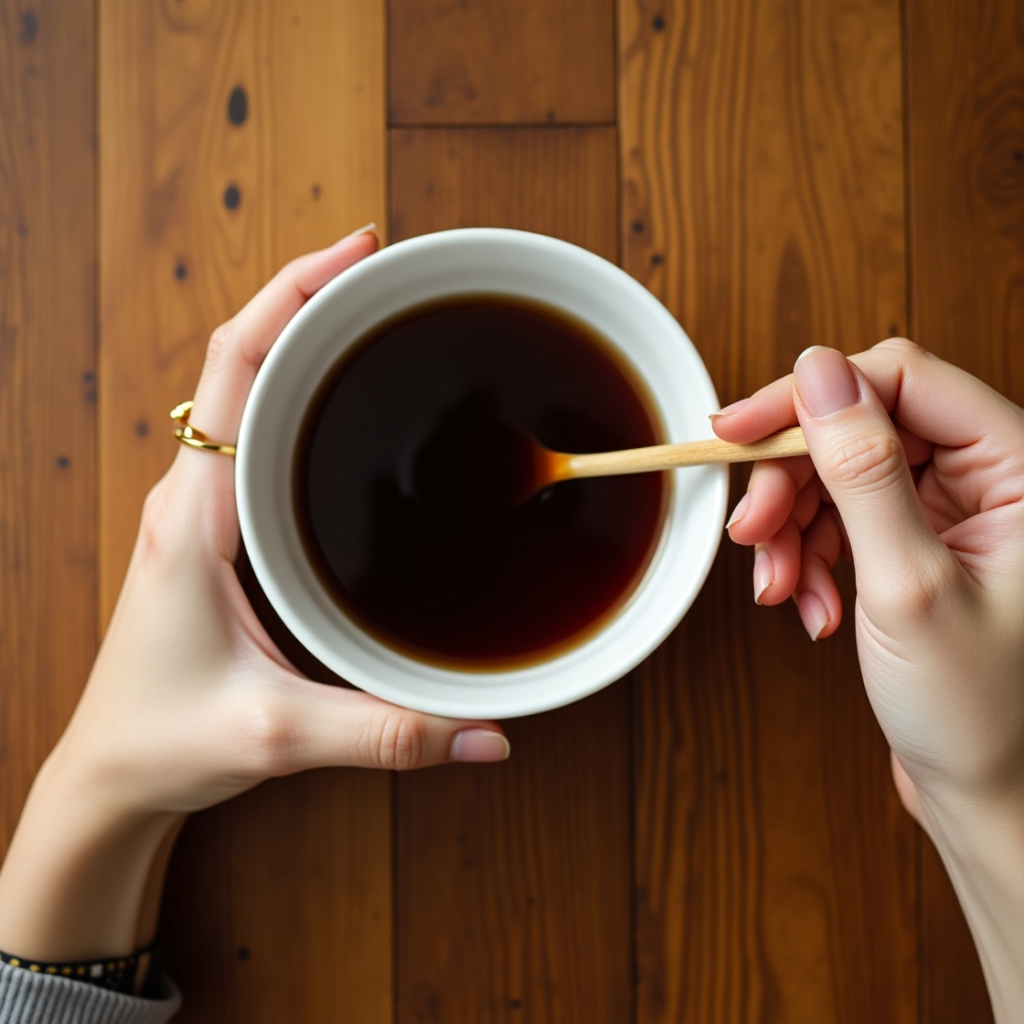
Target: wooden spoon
[[553, 467], [502, 468]]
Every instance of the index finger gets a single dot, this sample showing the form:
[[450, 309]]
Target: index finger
[[238, 347], [972, 434], [926, 395]]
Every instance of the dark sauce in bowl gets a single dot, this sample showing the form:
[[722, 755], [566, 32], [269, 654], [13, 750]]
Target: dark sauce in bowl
[[403, 446]]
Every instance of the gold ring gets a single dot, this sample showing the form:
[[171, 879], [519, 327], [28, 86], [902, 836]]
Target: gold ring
[[196, 438]]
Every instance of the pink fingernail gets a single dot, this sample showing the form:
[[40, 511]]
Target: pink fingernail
[[479, 745], [730, 409], [739, 511], [764, 574], [360, 231], [824, 380], [812, 614]]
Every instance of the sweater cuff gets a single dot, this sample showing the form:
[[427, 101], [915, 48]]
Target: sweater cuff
[[28, 997]]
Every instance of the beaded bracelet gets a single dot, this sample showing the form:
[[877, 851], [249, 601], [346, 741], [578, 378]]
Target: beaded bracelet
[[129, 975]]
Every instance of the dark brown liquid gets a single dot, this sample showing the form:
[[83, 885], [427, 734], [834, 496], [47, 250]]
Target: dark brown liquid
[[408, 451]]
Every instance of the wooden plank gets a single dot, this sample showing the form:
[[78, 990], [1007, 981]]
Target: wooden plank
[[47, 382], [200, 205], [763, 202], [560, 183], [965, 66], [513, 884], [502, 62], [311, 861], [513, 880]]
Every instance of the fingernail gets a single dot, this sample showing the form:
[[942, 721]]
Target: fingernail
[[730, 409], [764, 574], [812, 614], [824, 380], [479, 745], [360, 231], [738, 512]]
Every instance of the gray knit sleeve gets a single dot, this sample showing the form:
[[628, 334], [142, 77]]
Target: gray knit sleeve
[[30, 998]]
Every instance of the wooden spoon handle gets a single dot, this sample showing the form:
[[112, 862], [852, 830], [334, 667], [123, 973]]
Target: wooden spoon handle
[[693, 453]]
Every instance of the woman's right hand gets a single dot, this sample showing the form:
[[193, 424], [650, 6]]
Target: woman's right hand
[[916, 469]]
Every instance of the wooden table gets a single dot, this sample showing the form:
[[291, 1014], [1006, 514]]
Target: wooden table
[[715, 838]]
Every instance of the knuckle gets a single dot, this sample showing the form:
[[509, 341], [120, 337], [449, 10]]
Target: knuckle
[[921, 599], [154, 525], [291, 270], [905, 353], [868, 463], [900, 344], [400, 742], [222, 341], [267, 737]]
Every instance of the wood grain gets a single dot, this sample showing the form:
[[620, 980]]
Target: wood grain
[[203, 196], [558, 182], [180, 251], [513, 881], [763, 201], [762, 150], [965, 95], [47, 382], [502, 62], [311, 881]]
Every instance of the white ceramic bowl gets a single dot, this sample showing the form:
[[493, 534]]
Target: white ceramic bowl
[[459, 263]]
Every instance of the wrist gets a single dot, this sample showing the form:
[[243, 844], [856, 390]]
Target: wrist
[[976, 822], [981, 843], [81, 878], [72, 778]]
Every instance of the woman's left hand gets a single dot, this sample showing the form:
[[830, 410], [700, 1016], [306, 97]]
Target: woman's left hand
[[190, 702]]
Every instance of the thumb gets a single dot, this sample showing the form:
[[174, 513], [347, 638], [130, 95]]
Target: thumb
[[305, 725], [860, 460]]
